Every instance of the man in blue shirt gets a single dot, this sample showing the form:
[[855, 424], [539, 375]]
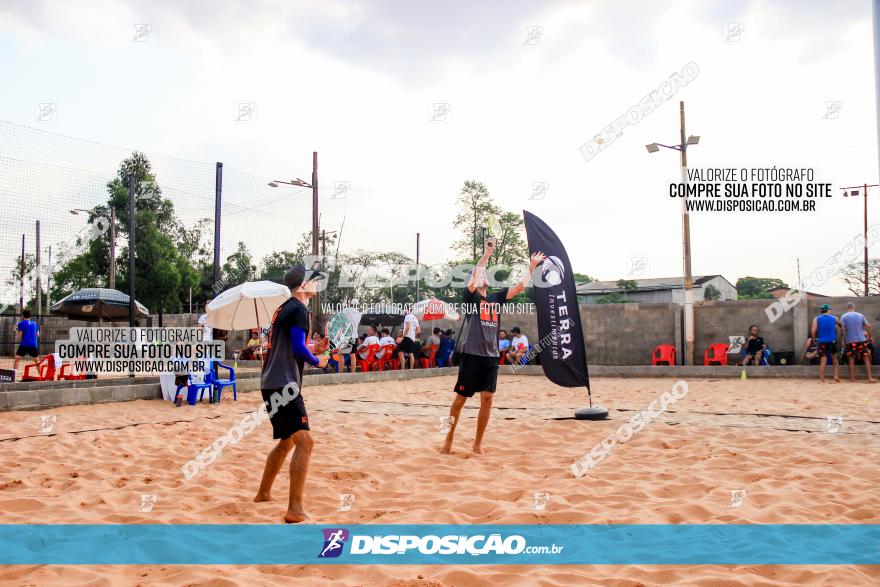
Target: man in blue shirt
[[857, 336], [825, 329], [28, 332]]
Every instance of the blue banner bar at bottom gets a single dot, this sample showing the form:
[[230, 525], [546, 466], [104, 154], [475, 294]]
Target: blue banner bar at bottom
[[485, 544]]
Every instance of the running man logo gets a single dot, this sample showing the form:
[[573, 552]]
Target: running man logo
[[541, 501], [334, 540], [147, 502], [47, 423], [346, 500], [552, 271], [737, 497], [833, 424]]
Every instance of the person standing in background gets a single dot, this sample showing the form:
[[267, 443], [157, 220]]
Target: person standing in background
[[825, 330], [856, 336], [28, 333]]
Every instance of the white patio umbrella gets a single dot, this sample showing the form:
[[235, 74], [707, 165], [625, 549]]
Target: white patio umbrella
[[249, 305], [434, 309]]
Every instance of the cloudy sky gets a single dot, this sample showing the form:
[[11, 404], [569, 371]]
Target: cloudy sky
[[521, 86]]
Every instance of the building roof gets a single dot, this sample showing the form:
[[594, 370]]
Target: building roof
[[809, 293], [650, 284]]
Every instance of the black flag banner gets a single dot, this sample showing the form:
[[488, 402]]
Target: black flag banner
[[563, 350]]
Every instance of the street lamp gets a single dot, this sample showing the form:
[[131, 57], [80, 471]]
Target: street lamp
[[314, 187], [681, 147]]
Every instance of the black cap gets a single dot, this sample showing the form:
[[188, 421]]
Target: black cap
[[516, 329], [298, 274]]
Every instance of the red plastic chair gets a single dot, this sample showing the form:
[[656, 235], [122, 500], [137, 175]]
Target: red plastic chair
[[502, 357], [370, 363], [45, 370], [66, 373], [664, 354], [716, 354], [430, 360], [389, 358]]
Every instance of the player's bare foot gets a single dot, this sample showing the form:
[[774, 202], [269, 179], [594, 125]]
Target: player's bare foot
[[837, 381], [263, 497], [478, 449], [872, 381], [446, 450], [295, 516]]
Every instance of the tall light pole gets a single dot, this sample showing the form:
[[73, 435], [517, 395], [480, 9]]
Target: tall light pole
[[314, 187], [111, 281], [681, 147], [854, 191]]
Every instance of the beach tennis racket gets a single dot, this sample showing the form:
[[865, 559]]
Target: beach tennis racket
[[339, 333], [493, 227]]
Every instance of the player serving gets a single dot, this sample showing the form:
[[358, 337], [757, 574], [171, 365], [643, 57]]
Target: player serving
[[478, 368]]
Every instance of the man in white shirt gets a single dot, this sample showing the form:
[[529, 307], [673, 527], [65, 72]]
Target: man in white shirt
[[206, 330], [411, 330], [519, 346], [386, 340], [363, 349]]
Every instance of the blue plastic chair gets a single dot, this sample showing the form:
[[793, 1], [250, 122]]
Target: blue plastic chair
[[193, 388], [219, 384]]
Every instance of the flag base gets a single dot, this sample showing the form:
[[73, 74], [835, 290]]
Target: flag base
[[591, 413]]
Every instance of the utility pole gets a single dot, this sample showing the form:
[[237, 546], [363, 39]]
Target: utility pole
[[112, 280], [49, 281], [854, 191], [21, 278], [316, 307], [686, 253], [418, 268], [39, 274], [131, 246], [218, 194]]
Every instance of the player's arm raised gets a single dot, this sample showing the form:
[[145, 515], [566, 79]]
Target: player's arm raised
[[535, 260], [480, 269]]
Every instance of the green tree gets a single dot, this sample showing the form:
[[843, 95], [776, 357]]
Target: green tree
[[474, 206], [582, 278], [757, 288], [711, 293], [164, 247], [627, 284]]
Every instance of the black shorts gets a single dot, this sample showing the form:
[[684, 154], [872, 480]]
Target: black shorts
[[23, 351], [828, 349], [407, 346], [289, 418], [476, 373]]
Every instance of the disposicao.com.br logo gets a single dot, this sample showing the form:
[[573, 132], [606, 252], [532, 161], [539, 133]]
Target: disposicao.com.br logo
[[431, 544]]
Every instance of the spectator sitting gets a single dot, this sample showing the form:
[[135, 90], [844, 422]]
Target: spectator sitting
[[503, 341], [249, 352], [811, 351], [519, 346], [755, 347], [432, 344], [370, 339], [386, 340]]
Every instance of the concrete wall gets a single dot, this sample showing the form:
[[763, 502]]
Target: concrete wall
[[626, 334], [617, 334]]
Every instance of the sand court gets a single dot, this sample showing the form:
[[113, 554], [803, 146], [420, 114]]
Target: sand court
[[730, 451]]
